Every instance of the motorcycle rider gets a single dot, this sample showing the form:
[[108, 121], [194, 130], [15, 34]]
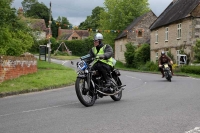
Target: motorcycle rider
[[164, 59], [104, 52]]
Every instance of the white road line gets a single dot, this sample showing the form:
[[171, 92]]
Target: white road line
[[63, 62], [34, 110]]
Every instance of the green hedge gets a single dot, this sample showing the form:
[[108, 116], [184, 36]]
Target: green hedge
[[80, 47], [191, 69]]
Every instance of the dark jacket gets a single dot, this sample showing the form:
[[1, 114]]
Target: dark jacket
[[164, 59]]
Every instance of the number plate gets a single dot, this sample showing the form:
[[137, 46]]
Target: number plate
[[82, 65], [166, 65]]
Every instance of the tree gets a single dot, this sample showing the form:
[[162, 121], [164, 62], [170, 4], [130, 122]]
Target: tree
[[62, 22], [34, 9], [39, 11], [92, 22], [118, 14], [15, 37], [26, 4]]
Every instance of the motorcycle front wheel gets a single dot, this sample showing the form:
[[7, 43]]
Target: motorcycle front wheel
[[118, 96], [84, 94]]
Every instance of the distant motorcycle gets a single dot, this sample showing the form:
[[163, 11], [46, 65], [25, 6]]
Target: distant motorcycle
[[90, 85], [167, 71]]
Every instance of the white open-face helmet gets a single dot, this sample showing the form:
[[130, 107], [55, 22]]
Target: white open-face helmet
[[98, 36]]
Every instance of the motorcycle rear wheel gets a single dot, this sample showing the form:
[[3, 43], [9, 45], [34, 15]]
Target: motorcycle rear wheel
[[85, 96], [118, 96]]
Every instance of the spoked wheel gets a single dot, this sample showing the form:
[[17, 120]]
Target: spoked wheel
[[85, 96], [118, 96]]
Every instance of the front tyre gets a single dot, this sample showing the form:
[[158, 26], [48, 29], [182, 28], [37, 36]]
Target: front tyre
[[85, 96], [118, 96]]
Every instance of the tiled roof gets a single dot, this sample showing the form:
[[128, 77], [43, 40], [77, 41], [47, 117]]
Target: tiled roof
[[135, 21], [66, 33], [175, 11], [38, 24]]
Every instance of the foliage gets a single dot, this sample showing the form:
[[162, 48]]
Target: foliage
[[80, 47], [149, 66], [62, 22], [39, 11], [34, 9], [142, 55], [190, 69], [37, 43], [26, 4], [171, 56], [129, 55], [92, 22], [119, 65], [197, 51], [15, 37], [117, 14]]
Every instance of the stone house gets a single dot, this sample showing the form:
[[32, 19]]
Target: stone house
[[137, 33], [40, 31], [176, 30], [68, 34]]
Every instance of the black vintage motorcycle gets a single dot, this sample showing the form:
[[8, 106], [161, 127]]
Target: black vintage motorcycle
[[167, 72], [90, 85]]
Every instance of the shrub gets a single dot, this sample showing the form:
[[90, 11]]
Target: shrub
[[129, 55], [149, 66], [191, 69], [142, 55]]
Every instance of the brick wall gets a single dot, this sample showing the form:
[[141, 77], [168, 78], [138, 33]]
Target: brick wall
[[12, 67]]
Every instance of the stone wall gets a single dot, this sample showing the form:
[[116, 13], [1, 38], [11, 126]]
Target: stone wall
[[12, 67], [173, 43]]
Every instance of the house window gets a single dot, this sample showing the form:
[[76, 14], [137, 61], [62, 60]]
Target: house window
[[166, 33], [179, 31], [156, 34], [74, 38], [156, 56], [139, 33]]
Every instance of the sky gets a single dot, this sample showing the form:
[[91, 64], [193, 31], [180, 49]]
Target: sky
[[76, 11]]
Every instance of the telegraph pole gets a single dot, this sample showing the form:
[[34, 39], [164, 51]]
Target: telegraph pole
[[49, 43]]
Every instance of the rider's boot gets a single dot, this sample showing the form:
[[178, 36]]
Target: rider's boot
[[107, 86], [162, 74]]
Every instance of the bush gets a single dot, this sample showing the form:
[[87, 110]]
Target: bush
[[191, 69], [142, 55], [80, 47], [129, 55], [149, 66]]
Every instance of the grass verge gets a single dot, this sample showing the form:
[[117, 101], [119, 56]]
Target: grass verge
[[49, 76]]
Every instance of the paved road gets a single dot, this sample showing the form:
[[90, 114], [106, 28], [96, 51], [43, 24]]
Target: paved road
[[149, 104]]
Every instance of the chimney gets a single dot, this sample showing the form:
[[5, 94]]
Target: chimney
[[20, 12]]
